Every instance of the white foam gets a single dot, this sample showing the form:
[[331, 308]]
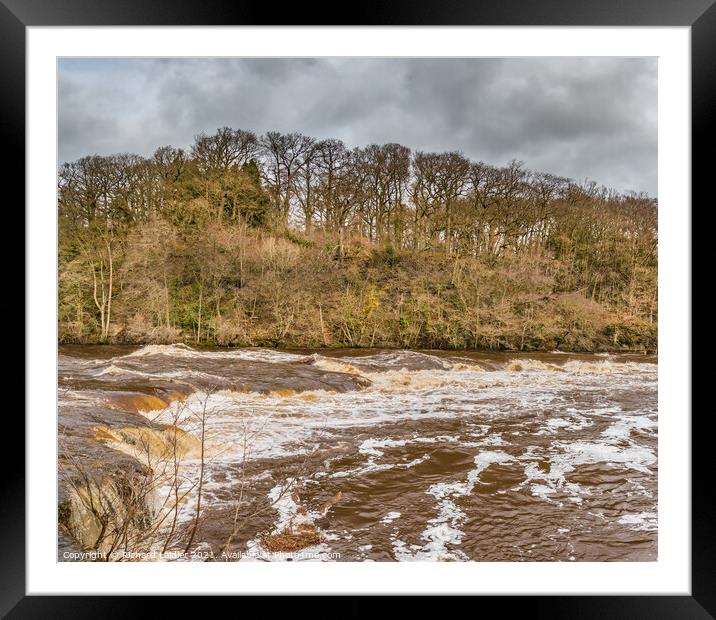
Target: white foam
[[644, 521], [444, 529], [633, 457], [185, 351], [390, 517], [371, 446], [626, 425]]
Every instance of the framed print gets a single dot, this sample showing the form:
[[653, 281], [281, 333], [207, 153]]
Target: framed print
[[399, 307]]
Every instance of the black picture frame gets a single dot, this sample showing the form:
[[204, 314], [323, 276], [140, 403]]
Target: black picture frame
[[700, 15]]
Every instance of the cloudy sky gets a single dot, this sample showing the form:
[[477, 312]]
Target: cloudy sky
[[592, 118]]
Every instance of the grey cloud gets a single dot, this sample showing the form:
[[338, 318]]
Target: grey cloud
[[583, 118]]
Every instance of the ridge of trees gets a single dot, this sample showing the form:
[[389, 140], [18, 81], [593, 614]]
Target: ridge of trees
[[287, 240]]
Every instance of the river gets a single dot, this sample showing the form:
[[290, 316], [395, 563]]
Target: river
[[374, 455]]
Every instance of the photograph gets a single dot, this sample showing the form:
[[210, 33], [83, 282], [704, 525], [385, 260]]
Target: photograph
[[357, 309]]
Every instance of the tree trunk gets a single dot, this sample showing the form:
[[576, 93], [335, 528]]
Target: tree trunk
[[198, 329], [166, 300], [109, 292]]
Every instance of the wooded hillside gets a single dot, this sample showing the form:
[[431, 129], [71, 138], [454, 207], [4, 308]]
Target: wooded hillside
[[284, 240]]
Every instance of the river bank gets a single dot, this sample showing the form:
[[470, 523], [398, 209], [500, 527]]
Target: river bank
[[295, 293], [297, 347], [617, 338], [624, 337]]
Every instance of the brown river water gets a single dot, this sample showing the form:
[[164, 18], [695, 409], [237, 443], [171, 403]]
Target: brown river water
[[382, 455]]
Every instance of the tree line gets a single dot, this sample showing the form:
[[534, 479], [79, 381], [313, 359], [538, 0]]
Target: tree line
[[225, 242]]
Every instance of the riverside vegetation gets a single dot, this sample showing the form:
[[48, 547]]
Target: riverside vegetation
[[287, 241]]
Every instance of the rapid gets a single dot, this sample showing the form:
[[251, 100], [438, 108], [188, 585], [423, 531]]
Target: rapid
[[375, 455]]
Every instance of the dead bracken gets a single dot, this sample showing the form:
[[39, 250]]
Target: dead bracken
[[291, 539]]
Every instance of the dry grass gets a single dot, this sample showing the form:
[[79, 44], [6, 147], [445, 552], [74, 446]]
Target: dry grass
[[291, 540]]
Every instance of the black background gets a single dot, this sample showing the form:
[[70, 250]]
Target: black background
[[16, 15]]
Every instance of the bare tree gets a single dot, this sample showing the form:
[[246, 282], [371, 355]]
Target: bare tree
[[285, 156]]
